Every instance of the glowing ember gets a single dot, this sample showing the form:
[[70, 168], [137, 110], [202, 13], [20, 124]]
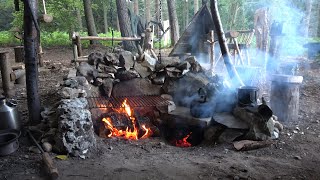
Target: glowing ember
[[128, 133], [183, 142]]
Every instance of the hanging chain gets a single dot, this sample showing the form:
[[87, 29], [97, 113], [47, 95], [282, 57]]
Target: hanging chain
[[159, 32]]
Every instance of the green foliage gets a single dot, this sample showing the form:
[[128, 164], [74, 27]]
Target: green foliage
[[7, 39]]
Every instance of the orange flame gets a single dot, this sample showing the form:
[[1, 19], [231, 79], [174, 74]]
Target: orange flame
[[128, 133], [183, 142]]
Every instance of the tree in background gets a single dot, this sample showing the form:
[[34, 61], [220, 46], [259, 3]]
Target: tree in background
[[124, 22], [147, 7], [173, 19], [90, 20], [196, 6]]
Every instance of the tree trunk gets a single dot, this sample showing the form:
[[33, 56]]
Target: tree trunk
[[90, 20], [307, 18], [173, 20], [157, 15], [196, 6], [79, 19], [124, 22], [204, 2], [147, 11], [136, 7], [234, 76], [105, 16]]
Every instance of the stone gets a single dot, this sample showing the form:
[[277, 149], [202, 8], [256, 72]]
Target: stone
[[34, 149], [298, 157], [110, 69], [229, 135], [72, 73], [159, 79], [195, 66], [212, 133], [136, 87], [149, 62], [126, 60], [75, 134], [230, 121], [47, 147], [184, 67], [125, 75], [111, 59], [107, 86], [185, 89], [143, 71], [70, 93], [84, 69], [95, 58], [167, 97], [170, 61]]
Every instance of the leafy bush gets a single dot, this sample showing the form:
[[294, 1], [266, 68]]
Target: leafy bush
[[7, 39]]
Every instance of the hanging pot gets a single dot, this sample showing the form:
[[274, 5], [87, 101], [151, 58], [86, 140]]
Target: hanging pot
[[9, 116]]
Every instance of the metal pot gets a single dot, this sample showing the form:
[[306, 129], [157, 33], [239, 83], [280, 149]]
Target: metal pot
[[9, 115], [9, 141], [247, 96]]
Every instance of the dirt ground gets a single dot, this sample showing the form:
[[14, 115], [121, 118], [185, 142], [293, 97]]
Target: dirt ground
[[294, 156]]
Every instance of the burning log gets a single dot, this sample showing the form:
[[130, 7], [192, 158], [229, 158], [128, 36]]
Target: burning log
[[223, 44]]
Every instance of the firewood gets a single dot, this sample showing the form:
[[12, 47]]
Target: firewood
[[247, 145]]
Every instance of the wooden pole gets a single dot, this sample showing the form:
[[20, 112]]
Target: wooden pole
[[78, 43], [211, 50], [18, 54], [234, 76], [110, 38], [31, 43], [5, 73]]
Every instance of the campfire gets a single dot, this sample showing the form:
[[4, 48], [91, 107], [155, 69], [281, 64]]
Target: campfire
[[133, 130]]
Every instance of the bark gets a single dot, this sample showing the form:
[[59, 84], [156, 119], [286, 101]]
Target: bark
[[196, 6], [105, 16], [147, 11], [90, 20], [136, 7], [79, 19], [124, 22], [173, 20], [204, 2], [307, 18], [236, 81]]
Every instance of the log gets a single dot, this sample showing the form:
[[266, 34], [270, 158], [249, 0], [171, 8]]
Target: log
[[78, 43], [17, 74], [284, 99], [19, 54], [247, 145], [15, 67], [110, 38], [5, 73], [234, 76]]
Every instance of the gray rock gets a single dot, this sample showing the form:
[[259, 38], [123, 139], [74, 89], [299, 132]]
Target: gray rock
[[170, 61], [126, 60], [47, 147], [149, 62], [95, 58], [110, 69], [84, 69], [70, 93], [230, 121], [111, 59], [75, 131], [195, 66], [107, 86], [126, 75], [229, 135], [143, 71], [186, 88], [34, 149], [136, 87]]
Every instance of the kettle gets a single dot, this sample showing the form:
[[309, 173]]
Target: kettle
[[9, 115]]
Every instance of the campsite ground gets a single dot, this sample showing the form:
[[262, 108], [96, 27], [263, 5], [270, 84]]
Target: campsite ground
[[294, 156]]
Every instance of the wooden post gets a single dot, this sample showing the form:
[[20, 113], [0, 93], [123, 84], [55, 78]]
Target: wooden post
[[18, 54], [211, 50], [223, 45], [5, 73], [31, 43], [41, 64], [78, 43]]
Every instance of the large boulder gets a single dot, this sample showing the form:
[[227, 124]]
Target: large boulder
[[75, 134], [136, 87]]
